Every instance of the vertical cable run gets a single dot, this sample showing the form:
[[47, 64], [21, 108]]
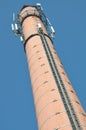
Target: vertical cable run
[[65, 98]]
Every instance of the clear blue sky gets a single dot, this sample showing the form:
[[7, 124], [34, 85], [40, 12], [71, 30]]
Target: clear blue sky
[[16, 101]]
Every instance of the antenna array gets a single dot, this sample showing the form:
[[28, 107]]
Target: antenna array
[[16, 25]]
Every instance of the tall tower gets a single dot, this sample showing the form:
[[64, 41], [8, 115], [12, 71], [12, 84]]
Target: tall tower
[[56, 103]]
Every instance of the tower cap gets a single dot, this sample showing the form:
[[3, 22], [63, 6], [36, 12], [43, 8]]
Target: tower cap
[[25, 6]]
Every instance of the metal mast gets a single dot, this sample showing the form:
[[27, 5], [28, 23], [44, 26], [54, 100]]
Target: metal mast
[[57, 106]]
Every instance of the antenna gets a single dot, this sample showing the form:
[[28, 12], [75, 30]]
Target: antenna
[[13, 16], [39, 6], [52, 29], [48, 21], [12, 26], [16, 26], [39, 25], [21, 39], [52, 32]]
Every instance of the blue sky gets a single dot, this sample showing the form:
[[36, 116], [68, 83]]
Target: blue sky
[[16, 101]]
